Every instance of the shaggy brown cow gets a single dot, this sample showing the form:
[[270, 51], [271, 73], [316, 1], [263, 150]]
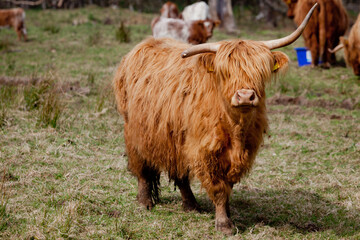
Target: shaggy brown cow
[[329, 22], [352, 47], [194, 32], [14, 18], [169, 10], [201, 117]]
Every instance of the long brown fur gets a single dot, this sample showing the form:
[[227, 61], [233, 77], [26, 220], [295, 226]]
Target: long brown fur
[[327, 24], [352, 47], [178, 117]]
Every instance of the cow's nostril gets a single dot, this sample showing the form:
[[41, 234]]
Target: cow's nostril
[[252, 97]]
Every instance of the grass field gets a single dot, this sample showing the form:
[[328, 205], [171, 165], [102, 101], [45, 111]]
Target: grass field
[[62, 154]]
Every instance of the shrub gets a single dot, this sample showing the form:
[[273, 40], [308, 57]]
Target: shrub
[[123, 33], [46, 98]]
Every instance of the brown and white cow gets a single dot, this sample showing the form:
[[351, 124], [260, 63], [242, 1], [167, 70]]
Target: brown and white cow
[[194, 32], [352, 47], [14, 18], [330, 21], [169, 10], [202, 115]]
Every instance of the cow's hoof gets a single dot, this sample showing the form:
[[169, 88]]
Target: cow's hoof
[[325, 65], [225, 226], [146, 202], [191, 206]]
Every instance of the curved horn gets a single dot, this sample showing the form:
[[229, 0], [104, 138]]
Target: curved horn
[[201, 48], [337, 48], [282, 42]]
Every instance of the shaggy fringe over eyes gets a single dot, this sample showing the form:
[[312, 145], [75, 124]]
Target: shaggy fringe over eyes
[[252, 62]]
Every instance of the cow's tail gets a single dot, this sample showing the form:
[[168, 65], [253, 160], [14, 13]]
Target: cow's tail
[[322, 29]]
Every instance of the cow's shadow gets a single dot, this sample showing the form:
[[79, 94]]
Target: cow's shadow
[[299, 210]]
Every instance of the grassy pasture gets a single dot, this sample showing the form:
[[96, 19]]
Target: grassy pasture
[[63, 164]]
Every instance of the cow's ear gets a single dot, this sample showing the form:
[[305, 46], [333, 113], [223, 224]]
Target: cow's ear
[[207, 60], [281, 62]]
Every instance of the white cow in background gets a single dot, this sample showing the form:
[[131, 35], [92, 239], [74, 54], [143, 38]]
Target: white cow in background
[[196, 11]]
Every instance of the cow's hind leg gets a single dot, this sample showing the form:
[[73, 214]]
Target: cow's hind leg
[[188, 199], [148, 179], [148, 187]]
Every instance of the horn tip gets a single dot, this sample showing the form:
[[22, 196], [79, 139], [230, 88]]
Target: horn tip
[[184, 54]]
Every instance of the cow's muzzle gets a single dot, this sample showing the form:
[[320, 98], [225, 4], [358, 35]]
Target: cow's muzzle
[[245, 98]]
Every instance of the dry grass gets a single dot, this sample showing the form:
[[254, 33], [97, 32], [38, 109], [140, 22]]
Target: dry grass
[[69, 179]]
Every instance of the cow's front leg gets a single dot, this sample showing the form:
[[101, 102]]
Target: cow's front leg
[[223, 222], [220, 194]]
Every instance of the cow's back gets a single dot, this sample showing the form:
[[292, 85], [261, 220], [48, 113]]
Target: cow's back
[[11, 17], [171, 28]]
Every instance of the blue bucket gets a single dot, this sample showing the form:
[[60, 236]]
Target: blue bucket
[[303, 56]]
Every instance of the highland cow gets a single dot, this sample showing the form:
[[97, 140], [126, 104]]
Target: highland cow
[[329, 22], [14, 18], [202, 115], [351, 47]]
